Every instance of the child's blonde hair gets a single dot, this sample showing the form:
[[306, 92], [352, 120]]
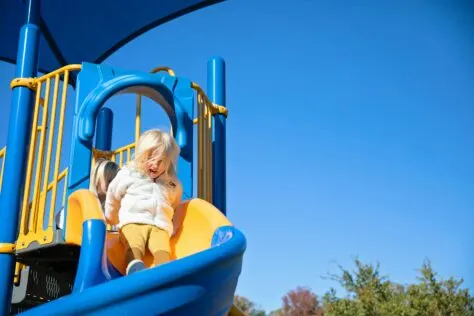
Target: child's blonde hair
[[156, 140], [103, 173]]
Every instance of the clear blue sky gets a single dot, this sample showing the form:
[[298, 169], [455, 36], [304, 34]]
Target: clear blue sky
[[350, 132]]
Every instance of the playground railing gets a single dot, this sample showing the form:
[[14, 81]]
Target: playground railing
[[123, 154], [206, 110], [40, 193], [120, 155]]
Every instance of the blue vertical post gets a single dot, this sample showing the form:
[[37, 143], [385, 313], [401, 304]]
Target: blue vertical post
[[17, 147], [216, 93], [103, 137]]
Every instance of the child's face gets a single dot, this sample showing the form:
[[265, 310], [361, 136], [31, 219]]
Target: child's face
[[155, 166]]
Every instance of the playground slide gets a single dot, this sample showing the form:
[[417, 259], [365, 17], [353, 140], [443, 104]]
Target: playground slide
[[201, 280]]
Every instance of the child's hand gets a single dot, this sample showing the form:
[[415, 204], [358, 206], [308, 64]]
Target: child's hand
[[111, 218]]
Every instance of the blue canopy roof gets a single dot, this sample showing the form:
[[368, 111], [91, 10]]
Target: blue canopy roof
[[87, 30]]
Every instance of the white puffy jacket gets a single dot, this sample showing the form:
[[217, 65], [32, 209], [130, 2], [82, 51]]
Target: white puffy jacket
[[138, 199]]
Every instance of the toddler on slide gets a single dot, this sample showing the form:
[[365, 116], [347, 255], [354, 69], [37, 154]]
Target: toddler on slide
[[142, 199]]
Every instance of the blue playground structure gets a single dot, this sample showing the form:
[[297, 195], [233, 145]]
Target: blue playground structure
[[74, 264]]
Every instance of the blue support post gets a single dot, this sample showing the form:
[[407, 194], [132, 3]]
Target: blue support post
[[103, 137], [216, 93], [17, 146]]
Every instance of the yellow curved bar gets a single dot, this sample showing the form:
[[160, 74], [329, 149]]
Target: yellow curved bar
[[7, 248], [164, 68], [82, 205], [72, 67], [214, 108], [30, 83]]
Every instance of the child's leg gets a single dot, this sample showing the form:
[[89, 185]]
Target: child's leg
[[133, 238], [159, 245]]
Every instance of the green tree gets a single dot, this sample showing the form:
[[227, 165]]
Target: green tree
[[277, 312], [248, 307], [439, 297], [371, 294]]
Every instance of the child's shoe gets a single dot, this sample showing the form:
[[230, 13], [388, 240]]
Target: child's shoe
[[135, 266]]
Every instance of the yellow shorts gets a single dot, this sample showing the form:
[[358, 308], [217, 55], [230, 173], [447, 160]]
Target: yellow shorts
[[139, 236]]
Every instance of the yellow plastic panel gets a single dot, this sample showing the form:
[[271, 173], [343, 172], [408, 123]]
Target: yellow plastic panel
[[82, 205]]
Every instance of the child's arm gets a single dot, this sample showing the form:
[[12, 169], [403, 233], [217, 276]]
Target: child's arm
[[179, 211], [115, 192], [178, 193]]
